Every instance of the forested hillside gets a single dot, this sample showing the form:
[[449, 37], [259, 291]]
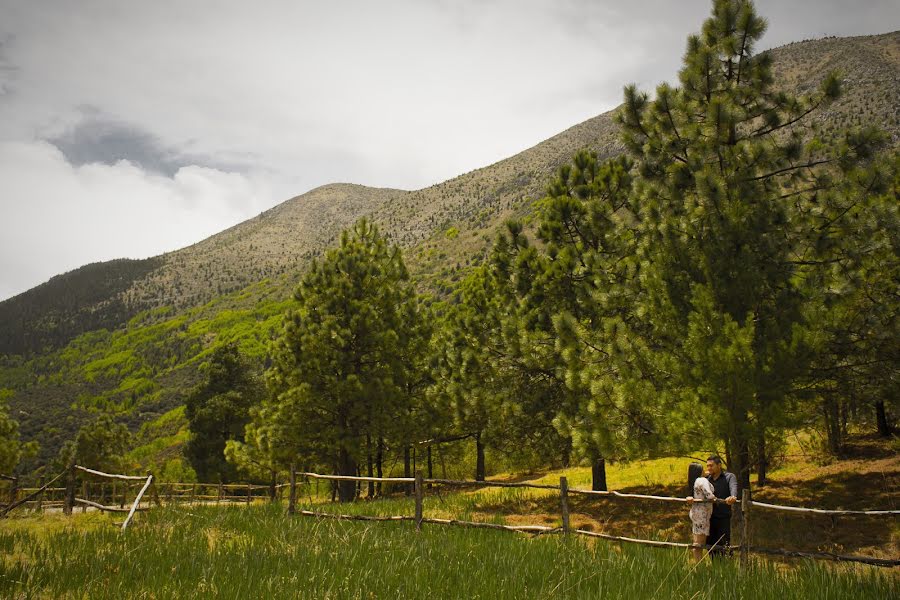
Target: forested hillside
[[131, 338]]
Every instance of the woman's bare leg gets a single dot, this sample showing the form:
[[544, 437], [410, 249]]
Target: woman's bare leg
[[700, 540]]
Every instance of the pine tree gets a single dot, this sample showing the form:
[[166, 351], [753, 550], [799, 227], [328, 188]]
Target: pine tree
[[341, 372], [855, 321], [575, 298], [218, 410], [472, 383], [736, 196], [100, 444]]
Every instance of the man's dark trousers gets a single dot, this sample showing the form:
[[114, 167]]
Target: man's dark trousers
[[719, 535]]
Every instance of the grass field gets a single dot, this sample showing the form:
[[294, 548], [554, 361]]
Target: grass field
[[258, 552], [234, 551]]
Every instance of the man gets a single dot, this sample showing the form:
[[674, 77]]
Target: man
[[725, 488]]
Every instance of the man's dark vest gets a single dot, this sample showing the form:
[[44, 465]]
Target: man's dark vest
[[720, 487]]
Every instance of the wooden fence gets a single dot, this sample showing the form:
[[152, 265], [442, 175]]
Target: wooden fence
[[745, 504], [116, 488]]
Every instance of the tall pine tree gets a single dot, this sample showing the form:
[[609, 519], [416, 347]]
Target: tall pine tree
[[341, 374], [736, 194]]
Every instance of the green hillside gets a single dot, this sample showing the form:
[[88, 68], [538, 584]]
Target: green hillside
[[130, 337]]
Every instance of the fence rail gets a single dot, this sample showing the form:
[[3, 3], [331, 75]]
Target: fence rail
[[180, 491], [745, 503]]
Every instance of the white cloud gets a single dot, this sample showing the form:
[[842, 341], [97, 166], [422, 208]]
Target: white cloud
[[281, 96], [58, 217]]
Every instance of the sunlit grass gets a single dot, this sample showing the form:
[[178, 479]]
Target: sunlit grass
[[236, 552]]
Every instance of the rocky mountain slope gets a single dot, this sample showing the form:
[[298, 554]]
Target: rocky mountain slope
[[128, 335]]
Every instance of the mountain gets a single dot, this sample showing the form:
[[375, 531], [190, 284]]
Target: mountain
[[129, 336]]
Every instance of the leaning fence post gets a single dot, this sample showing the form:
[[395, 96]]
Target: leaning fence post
[[419, 490], [564, 503], [292, 497], [745, 527], [70, 489]]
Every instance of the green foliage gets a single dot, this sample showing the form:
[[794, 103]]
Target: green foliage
[[137, 372], [342, 375], [53, 313], [217, 411], [12, 450], [737, 207], [177, 469], [100, 444]]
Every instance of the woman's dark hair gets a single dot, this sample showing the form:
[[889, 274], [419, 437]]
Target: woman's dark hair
[[695, 470]]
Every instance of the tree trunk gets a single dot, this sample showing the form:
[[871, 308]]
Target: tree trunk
[[272, 485], [407, 468], [844, 415], [369, 472], [761, 460], [884, 428], [479, 458], [730, 457], [566, 455], [379, 461], [346, 489], [832, 425], [742, 462], [598, 475]]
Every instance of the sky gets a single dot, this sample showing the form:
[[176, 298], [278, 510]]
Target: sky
[[132, 128]]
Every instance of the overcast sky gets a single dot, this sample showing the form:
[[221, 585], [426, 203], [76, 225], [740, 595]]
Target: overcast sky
[[131, 128]]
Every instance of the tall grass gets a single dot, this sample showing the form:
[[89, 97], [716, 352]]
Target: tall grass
[[258, 552]]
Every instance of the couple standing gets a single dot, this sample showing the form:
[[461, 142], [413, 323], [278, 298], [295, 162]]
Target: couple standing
[[711, 521]]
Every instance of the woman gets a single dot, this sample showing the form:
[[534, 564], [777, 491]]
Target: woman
[[701, 489]]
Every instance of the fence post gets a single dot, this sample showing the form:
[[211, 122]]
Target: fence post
[[154, 494], [419, 491], [564, 503], [745, 527], [13, 490], [40, 498], [70, 489], [292, 496], [249, 491], [84, 494], [193, 494]]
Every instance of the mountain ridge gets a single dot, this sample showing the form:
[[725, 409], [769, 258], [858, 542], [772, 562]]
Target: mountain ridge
[[128, 336], [257, 248]]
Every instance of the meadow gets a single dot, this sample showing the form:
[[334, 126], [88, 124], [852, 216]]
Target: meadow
[[259, 552]]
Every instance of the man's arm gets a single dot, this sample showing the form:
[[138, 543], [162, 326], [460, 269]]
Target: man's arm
[[732, 484]]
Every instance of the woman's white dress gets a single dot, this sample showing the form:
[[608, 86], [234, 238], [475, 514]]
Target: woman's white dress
[[701, 512]]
